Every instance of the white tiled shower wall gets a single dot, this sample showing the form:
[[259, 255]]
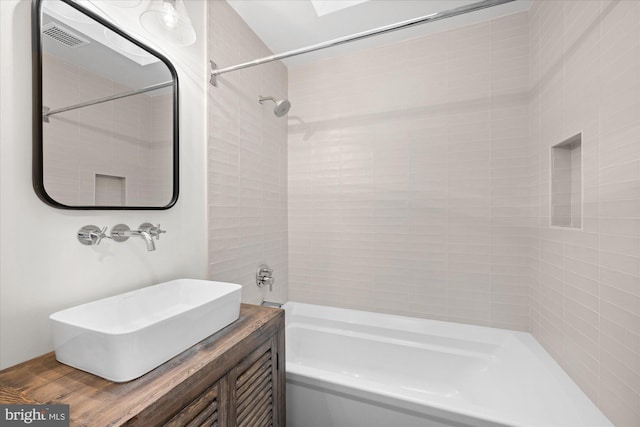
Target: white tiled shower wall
[[247, 162], [411, 177], [419, 184], [585, 305]]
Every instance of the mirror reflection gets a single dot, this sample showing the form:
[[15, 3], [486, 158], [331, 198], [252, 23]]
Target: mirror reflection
[[108, 116]]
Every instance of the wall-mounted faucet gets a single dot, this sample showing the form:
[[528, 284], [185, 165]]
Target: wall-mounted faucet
[[146, 231], [92, 235]]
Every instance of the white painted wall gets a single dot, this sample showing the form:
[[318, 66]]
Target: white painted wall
[[43, 268]]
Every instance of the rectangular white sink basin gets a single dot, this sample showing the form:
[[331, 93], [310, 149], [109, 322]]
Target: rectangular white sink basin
[[125, 336]]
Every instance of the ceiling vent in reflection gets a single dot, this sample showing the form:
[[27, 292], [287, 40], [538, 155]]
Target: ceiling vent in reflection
[[63, 35]]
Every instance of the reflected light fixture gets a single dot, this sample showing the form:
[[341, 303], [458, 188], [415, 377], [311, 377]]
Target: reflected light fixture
[[168, 20]]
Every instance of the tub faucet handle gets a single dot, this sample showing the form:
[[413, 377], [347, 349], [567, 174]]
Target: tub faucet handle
[[265, 270], [268, 281], [264, 276]]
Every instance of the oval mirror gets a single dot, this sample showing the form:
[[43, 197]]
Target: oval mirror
[[105, 114]]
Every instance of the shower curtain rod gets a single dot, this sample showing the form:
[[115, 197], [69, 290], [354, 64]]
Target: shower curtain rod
[[215, 71], [48, 112]]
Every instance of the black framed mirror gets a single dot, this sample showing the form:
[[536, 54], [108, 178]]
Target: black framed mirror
[[105, 119]]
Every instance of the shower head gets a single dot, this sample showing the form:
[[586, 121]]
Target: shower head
[[281, 108]]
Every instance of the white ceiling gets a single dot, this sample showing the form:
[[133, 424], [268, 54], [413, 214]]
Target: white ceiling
[[290, 24]]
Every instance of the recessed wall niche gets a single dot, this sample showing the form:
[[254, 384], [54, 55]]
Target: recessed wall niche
[[110, 190], [566, 183]]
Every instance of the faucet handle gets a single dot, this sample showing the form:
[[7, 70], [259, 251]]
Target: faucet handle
[[152, 229], [92, 235], [264, 276], [267, 281], [157, 231], [102, 234], [265, 271]]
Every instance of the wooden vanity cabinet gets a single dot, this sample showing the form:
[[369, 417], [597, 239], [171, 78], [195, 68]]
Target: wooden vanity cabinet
[[234, 378]]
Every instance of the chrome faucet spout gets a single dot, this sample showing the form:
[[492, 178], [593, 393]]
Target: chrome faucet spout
[[121, 233], [151, 246]]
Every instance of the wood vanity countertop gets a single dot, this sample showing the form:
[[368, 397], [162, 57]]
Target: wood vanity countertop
[[95, 401]]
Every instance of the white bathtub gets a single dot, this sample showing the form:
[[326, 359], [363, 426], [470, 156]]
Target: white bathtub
[[349, 368]]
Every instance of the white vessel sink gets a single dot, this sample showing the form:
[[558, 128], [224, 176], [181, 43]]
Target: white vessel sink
[[125, 336]]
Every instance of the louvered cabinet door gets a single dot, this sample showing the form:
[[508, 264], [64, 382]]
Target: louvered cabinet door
[[207, 410], [255, 395]]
